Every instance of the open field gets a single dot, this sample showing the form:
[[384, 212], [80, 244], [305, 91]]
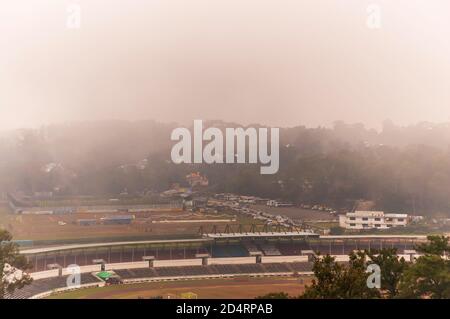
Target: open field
[[48, 227], [296, 213], [4, 214], [236, 288], [323, 225], [76, 201]]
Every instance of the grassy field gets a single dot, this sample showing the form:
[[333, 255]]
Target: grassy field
[[236, 288], [65, 227], [323, 225]]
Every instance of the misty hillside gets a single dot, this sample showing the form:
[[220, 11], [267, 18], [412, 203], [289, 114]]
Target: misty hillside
[[401, 168]]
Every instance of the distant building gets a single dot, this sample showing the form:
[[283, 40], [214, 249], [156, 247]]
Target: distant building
[[64, 210], [200, 202], [372, 220], [247, 199], [416, 218], [195, 203], [261, 201], [36, 212], [43, 195], [196, 179], [87, 222], [117, 220], [275, 203]]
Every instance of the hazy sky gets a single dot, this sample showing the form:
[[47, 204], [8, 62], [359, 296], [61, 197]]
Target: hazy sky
[[274, 62]]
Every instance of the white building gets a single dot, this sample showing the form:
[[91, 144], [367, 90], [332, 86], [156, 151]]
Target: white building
[[372, 220], [275, 203]]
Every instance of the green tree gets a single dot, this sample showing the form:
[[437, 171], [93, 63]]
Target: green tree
[[337, 230], [436, 245], [274, 295], [13, 266], [335, 280], [429, 276], [327, 273], [391, 267]]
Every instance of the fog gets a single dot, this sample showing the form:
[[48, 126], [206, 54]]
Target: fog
[[279, 63]]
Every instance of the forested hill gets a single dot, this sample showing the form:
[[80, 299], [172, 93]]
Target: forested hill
[[401, 168]]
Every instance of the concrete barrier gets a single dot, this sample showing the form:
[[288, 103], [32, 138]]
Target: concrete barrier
[[284, 259], [232, 260], [177, 262]]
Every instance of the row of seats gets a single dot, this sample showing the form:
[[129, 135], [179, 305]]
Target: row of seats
[[115, 256], [270, 249], [48, 284], [213, 270], [233, 250], [218, 251]]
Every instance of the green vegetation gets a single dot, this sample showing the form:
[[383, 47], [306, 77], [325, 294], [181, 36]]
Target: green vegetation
[[12, 266], [337, 281], [89, 201], [333, 166], [428, 277], [336, 230], [392, 269], [423, 228], [274, 295]]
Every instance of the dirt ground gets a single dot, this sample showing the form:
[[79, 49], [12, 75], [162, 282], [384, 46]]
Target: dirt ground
[[60, 227], [237, 288]]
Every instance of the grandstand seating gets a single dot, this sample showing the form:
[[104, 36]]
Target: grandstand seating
[[250, 268], [48, 284], [270, 249], [276, 267], [129, 254], [219, 251], [300, 267], [290, 250], [226, 269], [251, 247]]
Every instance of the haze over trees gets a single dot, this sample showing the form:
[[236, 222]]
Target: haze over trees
[[402, 169]]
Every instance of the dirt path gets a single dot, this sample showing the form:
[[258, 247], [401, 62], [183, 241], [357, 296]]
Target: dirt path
[[212, 289]]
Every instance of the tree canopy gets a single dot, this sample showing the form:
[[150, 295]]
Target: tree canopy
[[426, 277], [334, 280], [429, 276], [401, 169], [13, 266]]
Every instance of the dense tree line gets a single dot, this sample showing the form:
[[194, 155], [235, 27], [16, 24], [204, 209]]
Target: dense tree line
[[401, 169]]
